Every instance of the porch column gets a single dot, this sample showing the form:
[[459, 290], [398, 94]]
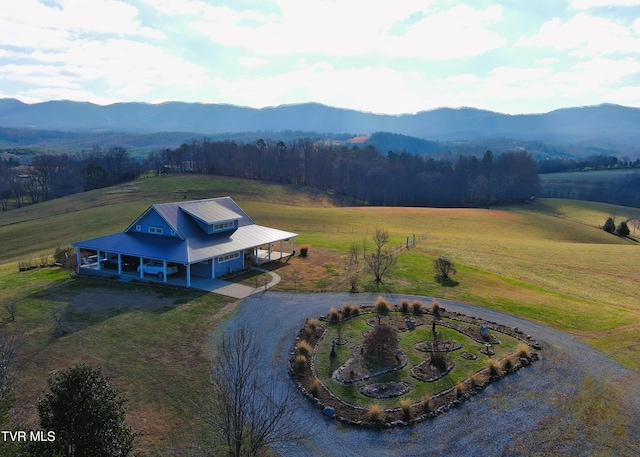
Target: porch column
[[119, 264], [291, 251], [281, 249], [269, 252], [141, 270], [98, 260], [78, 260], [164, 270], [188, 275]]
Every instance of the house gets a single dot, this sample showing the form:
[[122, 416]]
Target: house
[[203, 238]]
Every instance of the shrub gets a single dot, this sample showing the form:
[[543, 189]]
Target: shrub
[[609, 226], [459, 390], [300, 363], [494, 367], [426, 403], [66, 257], [524, 350], [304, 251], [355, 310], [381, 345], [405, 405], [623, 229], [310, 328], [375, 412], [315, 387], [507, 366], [436, 308], [382, 306], [404, 306], [476, 380], [417, 307], [334, 315], [347, 310], [304, 348]]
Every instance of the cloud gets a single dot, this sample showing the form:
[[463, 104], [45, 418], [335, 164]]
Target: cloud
[[347, 28], [586, 35], [588, 4]]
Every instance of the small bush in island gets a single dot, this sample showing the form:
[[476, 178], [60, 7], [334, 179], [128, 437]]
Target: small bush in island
[[404, 306], [417, 307], [350, 310], [382, 306], [381, 345], [300, 363], [436, 308], [524, 351]]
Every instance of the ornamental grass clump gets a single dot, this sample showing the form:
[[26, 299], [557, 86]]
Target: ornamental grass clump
[[311, 327], [459, 390], [334, 315], [426, 403], [382, 306], [349, 310], [494, 367], [375, 412], [507, 365], [300, 363], [315, 387], [417, 307], [524, 350], [405, 406], [404, 306], [436, 308], [304, 348]]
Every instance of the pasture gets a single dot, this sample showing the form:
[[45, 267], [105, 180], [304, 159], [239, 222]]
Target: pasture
[[548, 262]]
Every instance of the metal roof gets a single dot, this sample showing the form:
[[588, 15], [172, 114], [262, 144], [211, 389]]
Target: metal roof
[[195, 244], [209, 212]]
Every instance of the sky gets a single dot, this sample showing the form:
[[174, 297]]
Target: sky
[[392, 57]]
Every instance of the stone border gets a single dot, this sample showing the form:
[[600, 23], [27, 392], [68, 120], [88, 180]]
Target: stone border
[[451, 397]]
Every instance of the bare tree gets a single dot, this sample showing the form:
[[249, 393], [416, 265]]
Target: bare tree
[[352, 267], [11, 306], [248, 413], [10, 341], [382, 258], [59, 316], [444, 268]]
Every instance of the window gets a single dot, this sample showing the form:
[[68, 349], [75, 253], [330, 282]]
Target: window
[[226, 258], [157, 230], [223, 225]]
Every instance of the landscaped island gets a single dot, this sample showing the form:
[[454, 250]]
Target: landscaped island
[[398, 364]]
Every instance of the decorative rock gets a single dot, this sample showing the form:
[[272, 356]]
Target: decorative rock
[[329, 411]]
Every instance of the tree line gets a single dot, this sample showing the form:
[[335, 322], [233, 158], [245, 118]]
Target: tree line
[[51, 175], [363, 174]]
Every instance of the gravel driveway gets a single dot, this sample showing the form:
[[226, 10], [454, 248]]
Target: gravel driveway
[[541, 410]]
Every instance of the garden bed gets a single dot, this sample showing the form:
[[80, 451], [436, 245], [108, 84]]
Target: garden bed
[[408, 373]]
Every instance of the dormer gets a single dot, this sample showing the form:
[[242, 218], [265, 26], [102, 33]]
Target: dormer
[[211, 216]]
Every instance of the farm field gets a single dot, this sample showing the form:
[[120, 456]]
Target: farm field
[[548, 262], [589, 177]]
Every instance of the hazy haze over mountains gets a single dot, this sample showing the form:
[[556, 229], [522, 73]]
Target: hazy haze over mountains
[[614, 123]]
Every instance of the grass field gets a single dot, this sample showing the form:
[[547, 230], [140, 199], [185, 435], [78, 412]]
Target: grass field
[[589, 177], [548, 262]]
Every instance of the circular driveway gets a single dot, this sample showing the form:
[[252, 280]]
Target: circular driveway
[[544, 409]]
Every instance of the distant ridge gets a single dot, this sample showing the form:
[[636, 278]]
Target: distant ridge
[[606, 123]]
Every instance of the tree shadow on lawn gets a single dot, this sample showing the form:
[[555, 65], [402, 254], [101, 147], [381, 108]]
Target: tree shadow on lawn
[[446, 282], [84, 302]]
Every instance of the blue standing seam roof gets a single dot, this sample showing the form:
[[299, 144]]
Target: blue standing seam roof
[[195, 245]]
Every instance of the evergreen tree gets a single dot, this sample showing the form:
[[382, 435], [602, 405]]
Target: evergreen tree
[[87, 415]]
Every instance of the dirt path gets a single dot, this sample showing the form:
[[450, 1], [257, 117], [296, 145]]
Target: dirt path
[[574, 401]]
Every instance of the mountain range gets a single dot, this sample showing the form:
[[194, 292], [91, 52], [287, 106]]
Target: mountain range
[[613, 127]]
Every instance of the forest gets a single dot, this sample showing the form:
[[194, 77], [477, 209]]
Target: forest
[[361, 174]]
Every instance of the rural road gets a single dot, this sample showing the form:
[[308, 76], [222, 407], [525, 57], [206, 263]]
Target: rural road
[[541, 410]]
